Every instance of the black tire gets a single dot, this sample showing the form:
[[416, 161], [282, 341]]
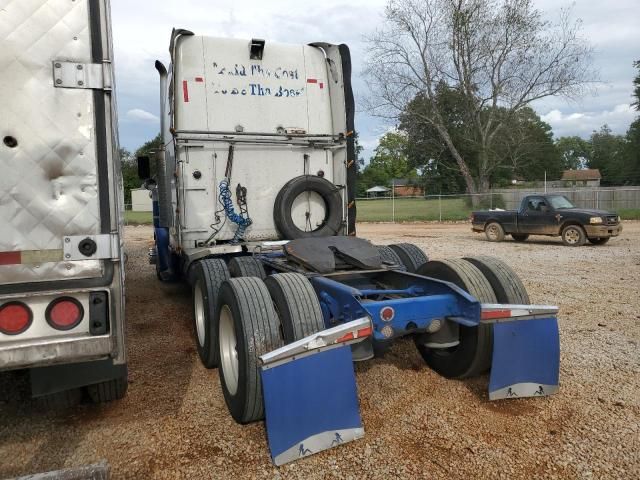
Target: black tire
[[60, 400], [208, 275], [412, 257], [573, 236], [333, 221], [108, 391], [246, 267], [599, 241], [473, 355], [256, 329], [296, 304], [519, 237], [505, 282], [389, 256], [494, 232]]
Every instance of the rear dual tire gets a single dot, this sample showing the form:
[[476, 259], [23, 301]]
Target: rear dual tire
[[208, 276], [489, 280], [258, 317], [411, 256]]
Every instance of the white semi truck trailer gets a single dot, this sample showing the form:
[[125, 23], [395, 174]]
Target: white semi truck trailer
[[61, 274], [254, 207]]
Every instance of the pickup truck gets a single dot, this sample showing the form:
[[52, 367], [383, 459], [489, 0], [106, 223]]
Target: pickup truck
[[550, 215]]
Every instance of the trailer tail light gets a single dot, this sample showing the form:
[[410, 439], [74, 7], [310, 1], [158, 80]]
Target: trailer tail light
[[15, 318], [64, 313]]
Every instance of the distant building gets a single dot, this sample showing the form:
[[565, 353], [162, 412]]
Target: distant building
[[589, 177], [403, 187], [378, 191]]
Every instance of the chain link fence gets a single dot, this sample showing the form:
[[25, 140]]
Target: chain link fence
[[442, 208], [445, 208]]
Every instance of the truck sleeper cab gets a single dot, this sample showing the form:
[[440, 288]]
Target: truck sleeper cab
[[254, 199]]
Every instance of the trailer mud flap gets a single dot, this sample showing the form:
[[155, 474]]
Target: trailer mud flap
[[526, 353], [310, 393]]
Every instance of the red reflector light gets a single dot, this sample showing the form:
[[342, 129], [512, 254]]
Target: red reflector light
[[345, 338], [387, 314], [493, 314], [64, 313], [15, 318]]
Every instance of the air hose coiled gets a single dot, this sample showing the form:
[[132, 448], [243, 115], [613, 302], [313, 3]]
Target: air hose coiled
[[242, 220]]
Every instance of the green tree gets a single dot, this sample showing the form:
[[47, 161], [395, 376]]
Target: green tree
[[130, 178], [148, 147], [498, 56], [574, 151], [608, 152], [388, 161], [636, 86], [129, 165], [525, 150]]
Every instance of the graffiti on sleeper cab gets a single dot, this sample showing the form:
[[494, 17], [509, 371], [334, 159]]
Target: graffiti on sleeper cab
[[256, 87]]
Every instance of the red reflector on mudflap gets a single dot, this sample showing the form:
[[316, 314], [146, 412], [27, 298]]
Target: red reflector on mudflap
[[363, 332], [15, 318], [492, 314]]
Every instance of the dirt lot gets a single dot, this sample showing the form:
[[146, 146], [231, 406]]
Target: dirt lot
[[174, 423]]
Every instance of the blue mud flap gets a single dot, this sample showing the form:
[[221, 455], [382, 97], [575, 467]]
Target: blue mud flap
[[311, 404], [526, 358]]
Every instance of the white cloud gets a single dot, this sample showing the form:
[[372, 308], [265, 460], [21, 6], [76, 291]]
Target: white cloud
[[583, 123], [137, 114]]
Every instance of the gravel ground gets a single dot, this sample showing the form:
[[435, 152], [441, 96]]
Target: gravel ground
[[174, 423]]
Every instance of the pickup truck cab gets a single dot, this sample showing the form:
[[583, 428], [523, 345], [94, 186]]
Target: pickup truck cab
[[551, 215]]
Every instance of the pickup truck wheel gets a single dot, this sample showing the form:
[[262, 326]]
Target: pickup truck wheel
[[411, 255], [246, 267], [208, 275], [389, 256], [599, 241], [494, 232], [296, 304], [472, 355], [573, 236], [248, 328], [519, 237]]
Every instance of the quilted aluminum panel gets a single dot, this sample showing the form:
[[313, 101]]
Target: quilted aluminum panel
[[48, 181]]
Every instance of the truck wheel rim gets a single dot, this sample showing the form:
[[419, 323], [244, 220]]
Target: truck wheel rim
[[572, 236], [228, 350], [198, 307], [493, 231]]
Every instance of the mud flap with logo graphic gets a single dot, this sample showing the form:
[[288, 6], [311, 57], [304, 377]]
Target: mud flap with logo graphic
[[526, 358], [310, 394]]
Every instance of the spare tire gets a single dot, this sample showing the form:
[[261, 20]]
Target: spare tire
[[332, 222]]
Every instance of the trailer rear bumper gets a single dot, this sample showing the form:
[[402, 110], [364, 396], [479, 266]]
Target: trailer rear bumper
[[54, 351]]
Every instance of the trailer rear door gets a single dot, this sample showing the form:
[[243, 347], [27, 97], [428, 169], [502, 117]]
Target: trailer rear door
[[56, 144]]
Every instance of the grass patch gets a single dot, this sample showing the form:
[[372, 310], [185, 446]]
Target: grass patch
[[412, 210], [138, 218], [629, 213]]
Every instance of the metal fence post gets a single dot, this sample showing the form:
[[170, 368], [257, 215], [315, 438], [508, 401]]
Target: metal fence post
[[440, 206]]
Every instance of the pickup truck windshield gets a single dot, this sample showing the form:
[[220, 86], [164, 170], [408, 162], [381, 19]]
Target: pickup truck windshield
[[559, 202]]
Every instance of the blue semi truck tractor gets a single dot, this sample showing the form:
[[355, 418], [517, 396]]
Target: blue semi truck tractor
[[254, 208]]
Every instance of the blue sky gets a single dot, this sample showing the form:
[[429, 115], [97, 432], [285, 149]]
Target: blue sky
[[142, 28]]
